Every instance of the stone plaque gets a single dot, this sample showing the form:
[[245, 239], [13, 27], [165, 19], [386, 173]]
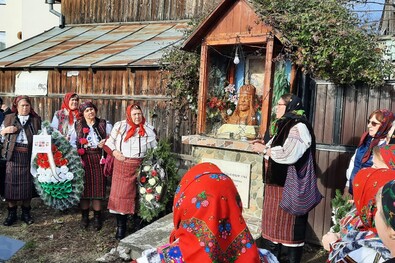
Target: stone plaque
[[240, 174]]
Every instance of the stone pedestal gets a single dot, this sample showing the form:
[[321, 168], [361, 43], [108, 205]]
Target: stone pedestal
[[234, 152]]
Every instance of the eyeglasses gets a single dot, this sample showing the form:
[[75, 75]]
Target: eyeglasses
[[374, 124]]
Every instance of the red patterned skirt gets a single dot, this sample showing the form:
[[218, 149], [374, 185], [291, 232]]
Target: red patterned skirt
[[95, 182], [278, 225], [18, 179], [123, 195]]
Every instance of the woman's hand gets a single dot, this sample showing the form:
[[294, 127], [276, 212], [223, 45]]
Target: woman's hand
[[9, 129], [101, 143], [258, 146], [118, 155], [328, 239]]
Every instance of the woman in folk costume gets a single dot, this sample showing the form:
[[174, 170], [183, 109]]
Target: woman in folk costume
[[88, 137], [129, 142], [291, 154], [384, 218], [64, 119], [208, 223], [358, 240], [379, 124], [17, 131]]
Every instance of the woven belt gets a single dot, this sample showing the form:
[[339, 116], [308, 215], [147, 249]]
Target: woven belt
[[21, 149]]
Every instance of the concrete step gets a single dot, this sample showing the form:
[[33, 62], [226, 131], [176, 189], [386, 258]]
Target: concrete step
[[158, 233]]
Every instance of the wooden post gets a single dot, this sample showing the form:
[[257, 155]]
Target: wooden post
[[294, 69], [203, 87], [267, 86]]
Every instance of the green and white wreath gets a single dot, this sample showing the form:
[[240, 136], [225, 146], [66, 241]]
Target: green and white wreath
[[58, 172]]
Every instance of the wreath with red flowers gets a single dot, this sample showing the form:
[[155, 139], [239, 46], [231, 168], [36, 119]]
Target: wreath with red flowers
[[62, 185]]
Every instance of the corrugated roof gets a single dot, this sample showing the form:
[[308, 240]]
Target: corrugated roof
[[92, 46]]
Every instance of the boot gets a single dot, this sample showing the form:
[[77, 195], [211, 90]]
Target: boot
[[84, 218], [97, 222], [295, 254], [274, 248], [26, 217], [121, 226], [12, 217]]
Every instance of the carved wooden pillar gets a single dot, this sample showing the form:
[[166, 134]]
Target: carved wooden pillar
[[203, 87], [267, 86]]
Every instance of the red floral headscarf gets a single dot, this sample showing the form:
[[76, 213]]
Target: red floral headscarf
[[388, 154], [18, 99], [366, 184], [65, 105], [208, 218], [132, 125], [386, 124]]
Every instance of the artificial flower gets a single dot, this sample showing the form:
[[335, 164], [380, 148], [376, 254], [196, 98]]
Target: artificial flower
[[152, 181], [83, 141], [158, 189], [154, 173], [149, 197], [146, 168], [142, 190], [81, 151], [85, 130]]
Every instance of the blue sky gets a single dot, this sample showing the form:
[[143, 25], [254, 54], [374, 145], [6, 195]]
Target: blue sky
[[372, 10]]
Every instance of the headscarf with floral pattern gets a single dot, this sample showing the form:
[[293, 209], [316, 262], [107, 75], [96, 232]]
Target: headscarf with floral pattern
[[366, 184], [388, 202], [388, 154], [133, 126], [208, 221], [386, 123], [65, 105]]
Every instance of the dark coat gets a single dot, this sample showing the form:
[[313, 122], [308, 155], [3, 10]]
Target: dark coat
[[32, 126]]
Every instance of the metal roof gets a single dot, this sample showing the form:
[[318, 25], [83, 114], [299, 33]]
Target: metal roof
[[95, 46]]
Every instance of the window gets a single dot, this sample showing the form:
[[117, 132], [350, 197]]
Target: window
[[2, 39], [2, 2]]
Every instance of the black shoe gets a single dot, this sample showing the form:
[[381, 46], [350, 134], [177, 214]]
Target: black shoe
[[97, 221], [12, 217], [26, 217], [121, 227], [84, 218]]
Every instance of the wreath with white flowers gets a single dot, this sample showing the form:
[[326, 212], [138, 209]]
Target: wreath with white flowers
[[151, 180], [157, 180], [58, 174]]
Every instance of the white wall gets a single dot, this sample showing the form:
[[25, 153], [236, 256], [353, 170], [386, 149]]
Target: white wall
[[30, 17]]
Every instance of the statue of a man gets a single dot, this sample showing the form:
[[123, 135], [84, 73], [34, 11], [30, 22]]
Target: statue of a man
[[245, 110]]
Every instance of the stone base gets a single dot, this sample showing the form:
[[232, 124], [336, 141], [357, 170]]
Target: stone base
[[158, 233]]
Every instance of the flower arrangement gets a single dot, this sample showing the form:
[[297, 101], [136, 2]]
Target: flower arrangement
[[340, 207], [151, 179], [157, 180], [83, 141], [58, 175], [223, 100]]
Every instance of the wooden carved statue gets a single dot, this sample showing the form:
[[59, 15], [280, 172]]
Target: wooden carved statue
[[245, 110]]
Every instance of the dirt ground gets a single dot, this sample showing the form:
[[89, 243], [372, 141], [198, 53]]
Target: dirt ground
[[56, 237]]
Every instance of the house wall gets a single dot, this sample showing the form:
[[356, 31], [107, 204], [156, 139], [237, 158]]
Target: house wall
[[28, 17], [112, 91], [339, 119], [93, 11]]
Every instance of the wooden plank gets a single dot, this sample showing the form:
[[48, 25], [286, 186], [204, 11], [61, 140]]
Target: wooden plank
[[267, 86], [329, 112], [236, 39], [319, 112], [203, 87]]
